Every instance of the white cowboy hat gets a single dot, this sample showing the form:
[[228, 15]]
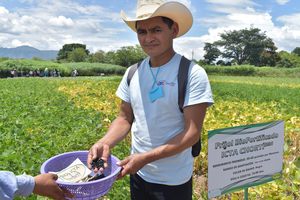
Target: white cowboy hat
[[176, 11]]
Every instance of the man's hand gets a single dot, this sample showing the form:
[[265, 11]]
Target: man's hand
[[101, 151], [132, 164], [45, 185]]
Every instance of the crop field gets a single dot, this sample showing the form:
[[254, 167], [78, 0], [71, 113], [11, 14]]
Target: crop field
[[43, 117]]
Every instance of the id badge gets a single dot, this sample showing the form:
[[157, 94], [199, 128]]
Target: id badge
[[156, 93]]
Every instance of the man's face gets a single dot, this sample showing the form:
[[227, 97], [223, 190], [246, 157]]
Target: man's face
[[155, 37]]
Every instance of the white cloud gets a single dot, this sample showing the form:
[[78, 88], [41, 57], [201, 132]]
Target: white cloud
[[3, 11], [16, 43], [187, 3], [61, 21], [291, 20], [232, 2], [288, 36], [282, 2], [48, 24], [190, 47]]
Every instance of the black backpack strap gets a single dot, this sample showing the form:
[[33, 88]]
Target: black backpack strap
[[182, 77], [131, 72]]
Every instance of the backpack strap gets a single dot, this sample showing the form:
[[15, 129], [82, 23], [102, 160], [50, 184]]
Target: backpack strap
[[182, 78], [131, 72]]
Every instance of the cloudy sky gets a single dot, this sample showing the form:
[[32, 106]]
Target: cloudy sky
[[49, 24]]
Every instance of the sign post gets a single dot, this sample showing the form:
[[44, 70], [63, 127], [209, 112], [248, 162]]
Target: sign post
[[246, 194], [244, 156]]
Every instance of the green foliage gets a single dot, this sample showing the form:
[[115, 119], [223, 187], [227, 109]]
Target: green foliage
[[3, 59], [268, 57], [248, 46], [244, 70], [288, 60], [286, 63], [248, 70], [95, 69], [85, 69], [211, 53], [77, 55], [99, 57], [127, 56], [67, 48], [37, 122], [296, 51], [278, 72]]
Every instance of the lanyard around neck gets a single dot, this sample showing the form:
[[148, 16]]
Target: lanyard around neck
[[154, 77]]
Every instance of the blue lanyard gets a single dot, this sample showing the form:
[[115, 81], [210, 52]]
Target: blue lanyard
[[154, 77]]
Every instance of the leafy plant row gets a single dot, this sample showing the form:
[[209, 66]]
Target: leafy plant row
[[249, 70], [98, 69], [24, 66]]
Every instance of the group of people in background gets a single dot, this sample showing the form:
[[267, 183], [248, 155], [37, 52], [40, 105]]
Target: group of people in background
[[35, 73], [40, 73]]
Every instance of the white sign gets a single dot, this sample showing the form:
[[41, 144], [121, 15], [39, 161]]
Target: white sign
[[244, 156]]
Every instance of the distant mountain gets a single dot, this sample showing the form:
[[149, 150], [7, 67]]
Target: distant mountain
[[27, 52]]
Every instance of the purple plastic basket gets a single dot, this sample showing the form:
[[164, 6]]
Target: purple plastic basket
[[85, 190]]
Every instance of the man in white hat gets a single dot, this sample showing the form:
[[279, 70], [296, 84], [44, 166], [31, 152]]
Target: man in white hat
[[161, 163]]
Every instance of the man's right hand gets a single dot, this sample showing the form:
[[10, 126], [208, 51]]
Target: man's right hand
[[101, 151]]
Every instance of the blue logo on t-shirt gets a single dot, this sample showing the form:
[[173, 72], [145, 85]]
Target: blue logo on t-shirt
[[164, 82]]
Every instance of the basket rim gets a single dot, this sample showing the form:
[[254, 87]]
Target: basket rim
[[42, 170]]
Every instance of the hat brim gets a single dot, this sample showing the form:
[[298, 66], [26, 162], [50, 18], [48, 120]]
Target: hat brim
[[176, 11]]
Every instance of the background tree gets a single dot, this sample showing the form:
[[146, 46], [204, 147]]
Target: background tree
[[248, 46], [269, 56], [234, 47], [211, 53], [288, 60], [110, 57], [127, 56], [77, 55], [67, 48], [99, 57], [296, 51]]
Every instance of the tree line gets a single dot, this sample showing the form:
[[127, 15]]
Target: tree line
[[249, 46], [125, 56], [246, 46]]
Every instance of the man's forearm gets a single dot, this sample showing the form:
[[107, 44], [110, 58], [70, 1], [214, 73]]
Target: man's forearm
[[173, 146]]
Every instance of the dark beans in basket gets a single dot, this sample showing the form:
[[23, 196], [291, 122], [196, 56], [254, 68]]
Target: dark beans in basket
[[97, 163]]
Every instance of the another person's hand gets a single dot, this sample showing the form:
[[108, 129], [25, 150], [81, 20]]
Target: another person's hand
[[101, 151], [131, 164], [45, 185]]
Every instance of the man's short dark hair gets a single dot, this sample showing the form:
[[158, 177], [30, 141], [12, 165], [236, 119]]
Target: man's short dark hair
[[166, 20]]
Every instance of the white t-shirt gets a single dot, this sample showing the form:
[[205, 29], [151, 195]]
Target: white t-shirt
[[159, 121]]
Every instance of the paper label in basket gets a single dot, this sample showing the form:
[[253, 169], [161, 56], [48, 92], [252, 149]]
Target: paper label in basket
[[74, 173]]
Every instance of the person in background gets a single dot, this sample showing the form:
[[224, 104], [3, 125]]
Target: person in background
[[46, 72], [24, 185], [161, 161]]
